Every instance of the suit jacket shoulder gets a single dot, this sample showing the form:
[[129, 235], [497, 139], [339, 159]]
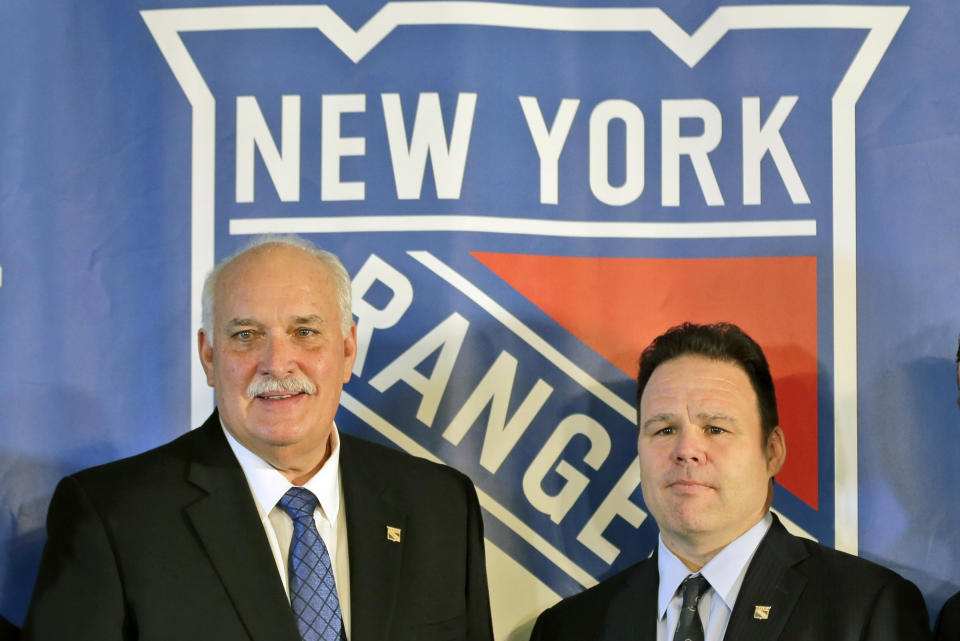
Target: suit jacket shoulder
[[948, 621], [805, 592], [623, 606], [140, 471], [403, 473], [165, 544], [415, 537], [815, 592]]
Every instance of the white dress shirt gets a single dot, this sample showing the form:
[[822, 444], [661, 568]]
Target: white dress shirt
[[268, 485], [724, 572]]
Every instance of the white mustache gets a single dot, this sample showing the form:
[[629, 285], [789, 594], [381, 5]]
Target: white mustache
[[291, 384]]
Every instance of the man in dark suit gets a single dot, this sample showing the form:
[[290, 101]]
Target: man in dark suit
[[947, 627], [709, 446], [234, 530], [948, 621], [8, 631]]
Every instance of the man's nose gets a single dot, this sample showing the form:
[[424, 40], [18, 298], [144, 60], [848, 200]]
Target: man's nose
[[689, 445], [278, 356]]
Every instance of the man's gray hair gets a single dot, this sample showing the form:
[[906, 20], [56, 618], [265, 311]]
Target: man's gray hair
[[341, 279]]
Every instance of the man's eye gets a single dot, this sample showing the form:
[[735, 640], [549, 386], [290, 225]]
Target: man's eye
[[664, 431], [305, 332], [713, 429], [244, 334]]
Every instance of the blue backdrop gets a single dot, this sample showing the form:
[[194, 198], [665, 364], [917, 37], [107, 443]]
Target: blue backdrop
[[525, 194]]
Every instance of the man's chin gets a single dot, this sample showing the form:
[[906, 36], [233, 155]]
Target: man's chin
[[692, 519]]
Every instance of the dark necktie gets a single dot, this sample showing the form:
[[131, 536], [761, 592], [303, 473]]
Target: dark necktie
[[689, 627], [313, 592]]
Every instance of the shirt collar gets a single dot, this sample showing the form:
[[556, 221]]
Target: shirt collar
[[269, 485], [725, 571]]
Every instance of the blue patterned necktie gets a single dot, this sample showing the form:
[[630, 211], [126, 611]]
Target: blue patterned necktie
[[313, 592]]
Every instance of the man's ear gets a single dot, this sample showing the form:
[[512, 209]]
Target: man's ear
[[205, 348], [349, 352], [776, 451]]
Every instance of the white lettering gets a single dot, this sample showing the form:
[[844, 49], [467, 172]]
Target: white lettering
[[429, 138], [252, 131], [673, 145], [617, 503], [600, 119], [369, 317], [549, 143], [333, 146], [448, 338], [494, 389], [557, 505], [758, 140]]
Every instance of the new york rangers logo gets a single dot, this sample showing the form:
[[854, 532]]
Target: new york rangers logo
[[525, 196]]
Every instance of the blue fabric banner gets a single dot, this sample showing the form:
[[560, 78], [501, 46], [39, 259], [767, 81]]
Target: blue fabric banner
[[524, 194]]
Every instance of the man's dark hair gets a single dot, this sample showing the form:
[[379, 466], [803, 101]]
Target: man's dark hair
[[720, 342]]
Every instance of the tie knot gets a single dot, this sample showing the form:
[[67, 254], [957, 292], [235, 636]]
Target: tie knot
[[693, 588], [298, 503]]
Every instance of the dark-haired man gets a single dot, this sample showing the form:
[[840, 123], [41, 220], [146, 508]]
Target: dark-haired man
[[266, 523], [709, 445]]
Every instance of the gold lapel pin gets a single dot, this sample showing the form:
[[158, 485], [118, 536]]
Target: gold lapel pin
[[393, 534], [761, 612]]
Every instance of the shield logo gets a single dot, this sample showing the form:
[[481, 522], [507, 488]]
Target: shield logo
[[520, 218]]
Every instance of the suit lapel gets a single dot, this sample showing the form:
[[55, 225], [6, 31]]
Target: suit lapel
[[374, 559], [770, 582], [637, 602], [228, 525]]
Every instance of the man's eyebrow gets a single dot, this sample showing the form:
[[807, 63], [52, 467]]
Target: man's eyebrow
[[242, 322], [312, 319], [706, 417], [657, 418]]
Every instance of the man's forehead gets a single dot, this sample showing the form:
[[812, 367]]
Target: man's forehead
[[716, 384], [274, 268], [274, 256], [695, 370], [275, 284]]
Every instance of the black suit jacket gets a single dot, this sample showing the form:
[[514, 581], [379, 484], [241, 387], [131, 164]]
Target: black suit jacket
[[948, 622], [8, 631], [168, 545], [815, 594]]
